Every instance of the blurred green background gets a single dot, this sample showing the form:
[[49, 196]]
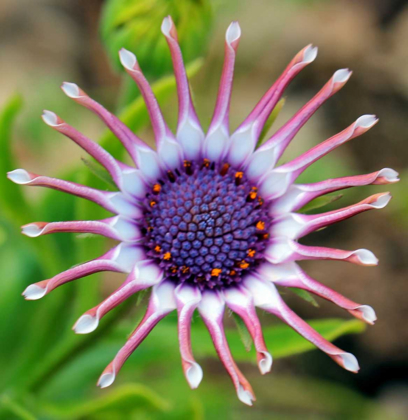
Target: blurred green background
[[47, 372]]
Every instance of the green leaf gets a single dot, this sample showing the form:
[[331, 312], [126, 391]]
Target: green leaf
[[123, 399], [269, 122], [281, 340], [99, 171], [243, 332], [135, 25], [320, 202], [11, 406], [305, 295], [11, 199]]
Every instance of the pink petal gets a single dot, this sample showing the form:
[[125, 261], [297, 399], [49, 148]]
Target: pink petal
[[211, 309], [217, 138], [298, 195], [241, 302], [161, 303], [266, 156], [144, 274], [245, 137], [268, 298], [277, 181], [291, 275], [189, 132], [187, 298], [117, 260]]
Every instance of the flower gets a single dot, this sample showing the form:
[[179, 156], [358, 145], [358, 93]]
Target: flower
[[207, 220]]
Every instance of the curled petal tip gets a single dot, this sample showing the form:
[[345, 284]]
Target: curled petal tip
[[381, 200], [19, 176], [310, 54], [194, 375], [245, 396], [31, 230], [349, 362], [86, 324], [366, 257], [128, 59], [366, 121], [106, 379], [265, 364], [71, 90], [366, 313], [389, 175], [50, 118], [233, 33], [167, 26], [341, 76], [34, 292]]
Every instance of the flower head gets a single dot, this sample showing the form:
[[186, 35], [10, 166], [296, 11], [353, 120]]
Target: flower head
[[207, 220]]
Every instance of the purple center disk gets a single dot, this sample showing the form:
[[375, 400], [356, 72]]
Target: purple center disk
[[206, 225]]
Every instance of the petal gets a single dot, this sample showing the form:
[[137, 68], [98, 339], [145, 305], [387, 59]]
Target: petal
[[144, 274], [219, 126], [241, 302], [134, 146], [277, 181], [161, 303], [284, 250], [211, 309], [116, 227], [266, 156], [189, 132], [117, 260], [244, 139], [187, 298], [168, 149], [295, 226], [291, 275], [267, 297], [298, 195]]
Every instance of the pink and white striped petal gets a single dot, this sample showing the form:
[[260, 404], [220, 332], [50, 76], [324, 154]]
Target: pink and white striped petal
[[277, 181], [168, 149], [188, 297], [241, 302], [143, 156], [119, 259], [217, 139], [283, 250], [117, 228], [268, 298], [291, 275], [295, 226], [111, 201], [189, 132], [245, 137], [161, 303], [144, 274], [211, 309], [298, 195], [266, 156], [113, 166]]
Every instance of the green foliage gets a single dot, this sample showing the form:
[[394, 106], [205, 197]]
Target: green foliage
[[135, 25]]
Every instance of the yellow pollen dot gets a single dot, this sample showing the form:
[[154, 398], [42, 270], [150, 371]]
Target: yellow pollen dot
[[243, 264], [216, 272], [224, 169], [167, 256], [185, 269], [173, 269], [152, 203], [206, 163], [251, 253], [156, 188], [252, 195], [232, 273], [260, 225], [239, 175], [266, 236], [157, 248]]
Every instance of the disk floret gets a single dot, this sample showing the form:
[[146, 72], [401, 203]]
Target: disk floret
[[206, 224]]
